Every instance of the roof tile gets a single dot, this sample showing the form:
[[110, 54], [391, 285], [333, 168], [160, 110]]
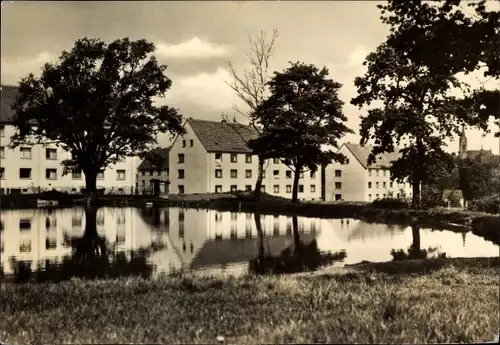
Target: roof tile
[[362, 152]]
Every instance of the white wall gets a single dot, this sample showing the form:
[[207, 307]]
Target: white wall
[[38, 163]]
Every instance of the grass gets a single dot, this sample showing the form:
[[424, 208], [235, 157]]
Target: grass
[[456, 302]]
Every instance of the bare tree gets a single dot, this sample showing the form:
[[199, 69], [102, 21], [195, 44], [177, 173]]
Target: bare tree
[[251, 88]]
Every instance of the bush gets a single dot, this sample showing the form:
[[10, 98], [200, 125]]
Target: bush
[[390, 203], [488, 204]]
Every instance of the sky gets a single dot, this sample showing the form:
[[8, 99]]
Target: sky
[[197, 39]]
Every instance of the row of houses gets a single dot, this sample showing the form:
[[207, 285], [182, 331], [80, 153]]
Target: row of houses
[[212, 157]]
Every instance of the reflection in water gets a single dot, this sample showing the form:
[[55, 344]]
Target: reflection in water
[[91, 257], [126, 241], [415, 251], [300, 257]]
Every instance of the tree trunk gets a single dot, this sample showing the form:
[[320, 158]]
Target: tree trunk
[[91, 185], [90, 222], [261, 260], [260, 176], [415, 199], [295, 190], [296, 234], [415, 247]]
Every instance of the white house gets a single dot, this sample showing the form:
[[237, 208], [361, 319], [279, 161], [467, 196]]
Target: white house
[[358, 181], [27, 168], [212, 157]]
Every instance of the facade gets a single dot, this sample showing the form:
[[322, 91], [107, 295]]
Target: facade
[[149, 171], [28, 169], [358, 181], [212, 157]]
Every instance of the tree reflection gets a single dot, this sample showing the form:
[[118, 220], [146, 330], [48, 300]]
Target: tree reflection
[[415, 252], [92, 257], [299, 257]]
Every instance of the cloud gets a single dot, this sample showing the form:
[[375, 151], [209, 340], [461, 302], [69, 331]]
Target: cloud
[[14, 69], [207, 91], [195, 48]]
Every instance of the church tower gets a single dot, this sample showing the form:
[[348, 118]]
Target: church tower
[[462, 151]]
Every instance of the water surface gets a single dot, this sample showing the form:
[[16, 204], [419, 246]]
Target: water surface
[[152, 241]]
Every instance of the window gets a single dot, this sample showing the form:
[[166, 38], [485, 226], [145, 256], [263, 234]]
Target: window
[[264, 174], [24, 224], [218, 173], [2, 130], [218, 217], [369, 185], [313, 188], [369, 172], [376, 196], [377, 172], [276, 161], [347, 161], [377, 184], [338, 173], [276, 173], [234, 188], [248, 188], [384, 184], [25, 247], [120, 175], [51, 174], [76, 221], [143, 172], [234, 216], [312, 174], [263, 188], [383, 195], [2, 152], [2, 173], [25, 152], [76, 174], [276, 188], [248, 158], [184, 143], [218, 156], [150, 172], [390, 184], [234, 173], [288, 188], [288, 174], [180, 158], [338, 185], [25, 173], [181, 189], [234, 158], [301, 174], [301, 188], [51, 154], [369, 197], [191, 142], [384, 171], [100, 175], [218, 189], [338, 197], [180, 173], [248, 173]]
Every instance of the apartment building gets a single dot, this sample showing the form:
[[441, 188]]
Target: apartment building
[[28, 168], [212, 157], [358, 181], [149, 171]]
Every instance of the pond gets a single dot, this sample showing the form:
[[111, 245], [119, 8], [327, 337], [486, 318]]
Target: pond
[[57, 244]]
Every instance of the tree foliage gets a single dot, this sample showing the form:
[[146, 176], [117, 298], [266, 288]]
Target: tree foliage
[[96, 102], [302, 114], [251, 87], [411, 75], [448, 38], [479, 177]]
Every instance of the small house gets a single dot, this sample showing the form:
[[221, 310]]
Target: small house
[[454, 198]]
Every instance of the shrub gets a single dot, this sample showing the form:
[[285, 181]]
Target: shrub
[[488, 204], [390, 203]]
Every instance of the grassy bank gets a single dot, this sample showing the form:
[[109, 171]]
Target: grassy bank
[[455, 302]]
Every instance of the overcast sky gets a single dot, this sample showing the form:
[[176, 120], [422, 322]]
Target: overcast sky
[[196, 39]]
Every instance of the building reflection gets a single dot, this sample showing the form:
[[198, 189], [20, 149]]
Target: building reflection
[[181, 239]]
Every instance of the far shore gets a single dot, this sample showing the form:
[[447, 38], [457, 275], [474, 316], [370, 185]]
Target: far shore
[[483, 224]]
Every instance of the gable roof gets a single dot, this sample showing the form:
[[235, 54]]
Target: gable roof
[[8, 94], [148, 165], [223, 137], [362, 152]]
